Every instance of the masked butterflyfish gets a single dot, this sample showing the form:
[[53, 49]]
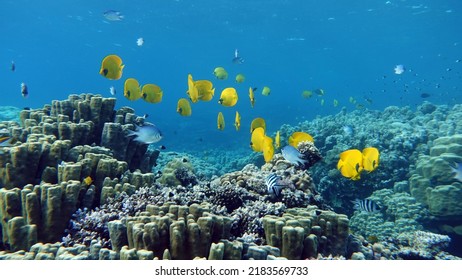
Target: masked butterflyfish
[[240, 78], [237, 121], [252, 96], [151, 93], [184, 107], [205, 89], [112, 67], [256, 140], [257, 122], [267, 148], [307, 93], [298, 137], [350, 164], [220, 73], [370, 158], [220, 121], [277, 140], [192, 90], [148, 134], [266, 91], [228, 97], [132, 89]]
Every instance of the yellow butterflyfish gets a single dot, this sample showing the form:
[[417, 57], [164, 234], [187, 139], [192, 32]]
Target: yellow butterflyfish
[[307, 93], [88, 180], [267, 148], [220, 73], [237, 121], [252, 96], [205, 89], [256, 140], [220, 121], [183, 107], [277, 140], [132, 89], [228, 97], [240, 78], [350, 164], [111, 67], [257, 122], [151, 93], [192, 90], [298, 137], [371, 157], [266, 91]]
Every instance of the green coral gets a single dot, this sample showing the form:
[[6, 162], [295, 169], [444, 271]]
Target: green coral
[[432, 182], [402, 213]]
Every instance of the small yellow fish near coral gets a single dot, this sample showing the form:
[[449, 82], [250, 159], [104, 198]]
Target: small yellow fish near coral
[[132, 89], [111, 67], [88, 180], [252, 96], [220, 73], [256, 140], [371, 157], [183, 107], [298, 137], [237, 121], [152, 93], [192, 90], [277, 140], [240, 78], [266, 91], [257, 122], [205, 90], [267, 148], [350, 164], [228, 97], [220, 121]]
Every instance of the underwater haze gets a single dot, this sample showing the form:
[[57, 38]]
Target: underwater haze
[[347, 48]]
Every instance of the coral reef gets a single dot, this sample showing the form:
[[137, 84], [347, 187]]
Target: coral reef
[[9, 113], [306, 232]]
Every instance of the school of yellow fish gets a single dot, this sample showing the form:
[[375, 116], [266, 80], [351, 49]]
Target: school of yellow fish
[[351, 163]]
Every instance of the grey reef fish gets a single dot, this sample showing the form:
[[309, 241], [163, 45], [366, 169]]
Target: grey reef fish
[[293, 156], [112, 15], [147, 134], [237, 59]]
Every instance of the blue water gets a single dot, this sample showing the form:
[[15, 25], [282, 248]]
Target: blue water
[[347, 48]]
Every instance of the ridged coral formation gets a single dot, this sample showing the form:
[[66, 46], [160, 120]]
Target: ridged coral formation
[[306, 232]]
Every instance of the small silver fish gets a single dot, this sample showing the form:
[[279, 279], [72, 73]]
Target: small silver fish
[[147, 133], [24, 90], [348, 130], [399, 69], [293, 156], [112, 15], [112, 90], [457, 170], [237, 59], [140, 42]]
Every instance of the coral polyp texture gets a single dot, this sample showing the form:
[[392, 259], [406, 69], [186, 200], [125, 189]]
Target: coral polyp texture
[[74, 185]]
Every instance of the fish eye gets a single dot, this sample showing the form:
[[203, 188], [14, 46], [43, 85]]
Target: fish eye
[[105, 71], [128, 93], [144, 95]]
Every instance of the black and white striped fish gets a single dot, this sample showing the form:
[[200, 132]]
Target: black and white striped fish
[[365, 205], [274, 184]]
